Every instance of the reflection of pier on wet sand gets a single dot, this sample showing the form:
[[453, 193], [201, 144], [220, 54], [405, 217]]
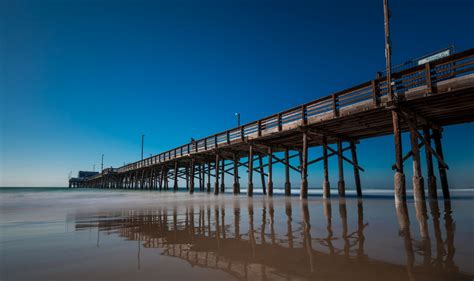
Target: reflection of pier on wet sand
[[245, 241]]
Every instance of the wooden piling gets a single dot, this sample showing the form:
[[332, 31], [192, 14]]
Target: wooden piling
[[161, 178], [262, 174], [341, 186], [355, 164], [187, 177], [418, 190], [192, 167], [250, 172], [201, 186], [399, 177], [326, 184], [304, 168], [175, 185], [270, 172], [166, 178], [432, 193], [236, 184], [216, 169], [223, 175], [203, 169], [287, 173], [442, 169], [151, 178], [208, 186]]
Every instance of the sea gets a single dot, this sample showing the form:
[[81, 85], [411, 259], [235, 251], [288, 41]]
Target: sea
[[95, 234]]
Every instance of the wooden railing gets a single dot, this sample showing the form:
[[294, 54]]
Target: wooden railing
[[373, 92]]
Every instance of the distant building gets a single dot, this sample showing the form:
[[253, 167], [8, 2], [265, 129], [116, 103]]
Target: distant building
[[86, 174], [75, 182]]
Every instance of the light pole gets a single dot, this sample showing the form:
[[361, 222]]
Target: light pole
[[237, 115], [102, 163], [143, 140]]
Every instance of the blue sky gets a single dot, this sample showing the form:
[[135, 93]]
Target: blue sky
[[81, 78]]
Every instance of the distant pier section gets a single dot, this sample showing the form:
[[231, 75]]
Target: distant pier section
[[422, 98], [81, 177]]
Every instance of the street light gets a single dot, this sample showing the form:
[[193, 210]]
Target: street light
[[102, 163], [237, 115]]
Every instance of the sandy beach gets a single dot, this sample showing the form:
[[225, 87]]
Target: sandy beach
[[60, 234]]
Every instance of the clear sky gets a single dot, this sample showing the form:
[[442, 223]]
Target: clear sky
[[79, 78]]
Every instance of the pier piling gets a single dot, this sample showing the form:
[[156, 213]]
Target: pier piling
[[223, 175], [341, 185], [216, 169], [236, 184], [326, 185], [250, 172], [287, 173], [442, 169], [418, 188], [192, 168], [208, 185], [304, 168], [270, 171], [262, 175], [399, 178], [355, 164], [432, 193], [175, 179]]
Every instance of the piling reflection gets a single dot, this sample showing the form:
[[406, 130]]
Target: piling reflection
[[264, 240], [440, 266]]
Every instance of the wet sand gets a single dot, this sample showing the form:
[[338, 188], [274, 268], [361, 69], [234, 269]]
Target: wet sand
[[117, 235]]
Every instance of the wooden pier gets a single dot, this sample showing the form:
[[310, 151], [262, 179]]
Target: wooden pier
[[421, 101]]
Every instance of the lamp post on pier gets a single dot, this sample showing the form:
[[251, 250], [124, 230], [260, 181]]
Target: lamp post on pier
[[237, 115]]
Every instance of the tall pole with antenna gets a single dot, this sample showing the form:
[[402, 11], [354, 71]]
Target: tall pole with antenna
[[388, 49], [399, 178]]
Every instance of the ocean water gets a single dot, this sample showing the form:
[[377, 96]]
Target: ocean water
[[85, 234]]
